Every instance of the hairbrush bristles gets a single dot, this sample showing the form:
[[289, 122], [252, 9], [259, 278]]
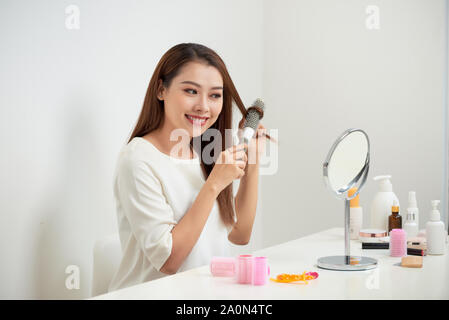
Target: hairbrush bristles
[[253, 116], [259, 103]]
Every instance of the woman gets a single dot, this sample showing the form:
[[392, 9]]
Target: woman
[[176, 212]]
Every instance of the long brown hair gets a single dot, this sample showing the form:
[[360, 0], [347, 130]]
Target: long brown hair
[[152, 113]]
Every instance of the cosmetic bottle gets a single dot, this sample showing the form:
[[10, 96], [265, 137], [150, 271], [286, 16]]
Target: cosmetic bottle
[[355, 215], [435, 233], [395, 220], [410, 225], [413, 206], [381, 205]]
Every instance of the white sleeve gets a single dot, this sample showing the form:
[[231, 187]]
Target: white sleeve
[[150, 216]]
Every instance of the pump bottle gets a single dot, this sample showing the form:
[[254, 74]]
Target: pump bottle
[[435, 233], [381, 205]]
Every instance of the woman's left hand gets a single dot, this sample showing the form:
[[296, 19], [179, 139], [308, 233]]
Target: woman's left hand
[[257, 145]]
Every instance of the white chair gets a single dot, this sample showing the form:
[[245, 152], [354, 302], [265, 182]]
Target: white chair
[[107, 257]]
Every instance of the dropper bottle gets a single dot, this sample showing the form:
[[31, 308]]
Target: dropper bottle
[[395, 220]]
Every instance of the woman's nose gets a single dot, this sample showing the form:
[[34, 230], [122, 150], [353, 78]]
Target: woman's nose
[[202, 103]]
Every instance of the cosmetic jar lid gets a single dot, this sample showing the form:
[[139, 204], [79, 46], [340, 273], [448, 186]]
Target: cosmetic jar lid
[[373, 236], [373, 233]]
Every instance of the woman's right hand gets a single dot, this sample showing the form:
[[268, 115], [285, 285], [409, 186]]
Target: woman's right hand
[[230, 165]]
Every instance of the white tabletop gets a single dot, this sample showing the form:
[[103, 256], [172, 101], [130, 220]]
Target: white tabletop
[[387, 281]]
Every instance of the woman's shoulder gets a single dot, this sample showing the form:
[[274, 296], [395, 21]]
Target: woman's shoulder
[[138, 149], [136, 155], [141, 155]]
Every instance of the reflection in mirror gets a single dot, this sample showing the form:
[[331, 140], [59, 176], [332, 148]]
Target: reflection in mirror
[[347, 161]]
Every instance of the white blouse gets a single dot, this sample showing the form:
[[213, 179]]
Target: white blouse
[[152, 193]]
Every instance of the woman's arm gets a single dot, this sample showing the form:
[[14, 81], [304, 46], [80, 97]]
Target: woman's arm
[[186, 233], [245, 205], [246, 198]]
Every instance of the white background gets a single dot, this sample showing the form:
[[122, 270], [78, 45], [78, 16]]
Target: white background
[[70, 99]]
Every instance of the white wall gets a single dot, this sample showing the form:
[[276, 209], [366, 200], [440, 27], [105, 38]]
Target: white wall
[[326, 72], [70, 98]]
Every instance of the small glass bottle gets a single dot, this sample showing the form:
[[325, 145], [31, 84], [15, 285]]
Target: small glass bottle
[[395, 219]]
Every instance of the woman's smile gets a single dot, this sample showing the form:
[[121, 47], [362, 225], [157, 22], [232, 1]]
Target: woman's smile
[[196, 120]]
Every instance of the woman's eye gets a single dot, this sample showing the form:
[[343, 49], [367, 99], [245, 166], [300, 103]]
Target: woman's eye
[[193, 91]]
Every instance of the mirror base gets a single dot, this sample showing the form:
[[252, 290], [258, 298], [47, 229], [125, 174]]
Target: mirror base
[[347, 263]]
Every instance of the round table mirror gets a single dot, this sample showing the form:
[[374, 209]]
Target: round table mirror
[[346, 167]]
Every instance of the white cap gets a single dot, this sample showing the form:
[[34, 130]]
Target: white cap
[[385, 184], [435, 214], [412, 199]]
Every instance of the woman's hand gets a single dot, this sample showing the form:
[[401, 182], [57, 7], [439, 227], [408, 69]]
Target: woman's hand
[[230, 165], [257, 144]]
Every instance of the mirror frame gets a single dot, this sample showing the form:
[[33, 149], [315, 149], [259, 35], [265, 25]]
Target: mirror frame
[[361, 176]]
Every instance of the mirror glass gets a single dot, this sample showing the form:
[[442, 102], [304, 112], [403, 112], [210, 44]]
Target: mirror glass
[[347, 161]]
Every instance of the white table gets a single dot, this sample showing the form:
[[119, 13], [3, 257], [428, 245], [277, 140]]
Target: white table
[[387, 281]]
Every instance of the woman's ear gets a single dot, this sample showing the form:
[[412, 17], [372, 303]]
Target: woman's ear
[[160, 90]]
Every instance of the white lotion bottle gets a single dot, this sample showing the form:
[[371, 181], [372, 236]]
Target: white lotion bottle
[[435, 233], [382, 202]]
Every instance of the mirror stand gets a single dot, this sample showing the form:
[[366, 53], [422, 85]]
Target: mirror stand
[[347, 262]]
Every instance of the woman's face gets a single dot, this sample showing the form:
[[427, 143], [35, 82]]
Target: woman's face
[[194, 99]]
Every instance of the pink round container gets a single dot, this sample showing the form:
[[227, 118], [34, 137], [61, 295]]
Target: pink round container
[[398, 243], [223, 267], [261, 271]]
